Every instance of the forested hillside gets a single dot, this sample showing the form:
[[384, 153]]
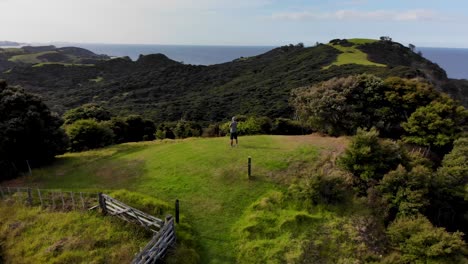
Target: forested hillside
[[165, 90]]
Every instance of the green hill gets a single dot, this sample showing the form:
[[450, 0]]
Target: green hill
[[206, 175], [165, 90]]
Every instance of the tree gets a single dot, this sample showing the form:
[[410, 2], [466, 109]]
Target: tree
[[411, 47], [449, 205], [407, 191], [368, 158], [89, 134], [341, 105], [139, 129], [386, 38], [28, 131], [87, 111], [418, 241], [437, 124]]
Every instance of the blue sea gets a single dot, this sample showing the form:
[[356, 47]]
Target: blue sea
[[453, 61], [197, 55]]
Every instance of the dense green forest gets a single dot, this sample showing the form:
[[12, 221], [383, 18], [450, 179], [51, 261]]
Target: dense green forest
[[165, 90]]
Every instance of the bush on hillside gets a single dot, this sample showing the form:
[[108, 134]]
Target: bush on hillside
[[449, 204], [86, 111], [284, 126], [165, 130], [249, 125], [341, 105], [28, 132], [139, 129], [131, 128], [416, 240], [436, 125], [368, 158], [89, 134], [407, 192], [185, 129]]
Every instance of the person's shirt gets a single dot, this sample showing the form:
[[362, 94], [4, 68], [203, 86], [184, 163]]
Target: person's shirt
[[233, 127]]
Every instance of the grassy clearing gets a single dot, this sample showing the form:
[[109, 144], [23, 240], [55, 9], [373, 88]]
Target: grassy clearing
[[30, 58], [33, 235], [61, 63], [352, 55], [206, 175], [360, 41]]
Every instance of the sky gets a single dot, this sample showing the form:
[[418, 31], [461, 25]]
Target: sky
[[425, 23]]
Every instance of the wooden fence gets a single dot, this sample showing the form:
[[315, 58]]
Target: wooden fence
[[52, 199], [164, 231]]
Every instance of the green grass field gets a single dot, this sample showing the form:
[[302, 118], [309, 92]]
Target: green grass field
[[30, 58], [61, 63], [206, 175], [352, 55]]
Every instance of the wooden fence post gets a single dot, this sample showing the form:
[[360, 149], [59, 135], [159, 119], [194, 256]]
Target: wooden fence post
[[30, 199], [82, 200], [1, 192], [102, 203], [40, 197], [177, 210], [73, 200], [52, 197], [63, 200], [250, 167]]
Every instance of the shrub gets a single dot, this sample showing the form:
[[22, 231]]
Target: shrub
[[185, 129], [89, 134], [418, 241], [249, 126], [328, 189], [284, 126], [86, 111], [407, 191], [213, 130], [449, 204], [139, 129], [369, 158], [437, 124]]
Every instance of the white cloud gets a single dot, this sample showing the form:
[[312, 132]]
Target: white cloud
[[377, 15]]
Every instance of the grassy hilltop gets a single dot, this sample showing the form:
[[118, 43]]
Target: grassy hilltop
[[206, 175]]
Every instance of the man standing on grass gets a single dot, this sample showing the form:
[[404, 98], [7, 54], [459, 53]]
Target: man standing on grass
[[233, 130]]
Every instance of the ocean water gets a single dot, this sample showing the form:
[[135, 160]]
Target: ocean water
[[197, 55], [453, 61]]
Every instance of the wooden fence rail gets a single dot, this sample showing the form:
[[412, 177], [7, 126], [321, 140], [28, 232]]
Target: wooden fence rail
[[157, 247], [164, 231], [114, 207]]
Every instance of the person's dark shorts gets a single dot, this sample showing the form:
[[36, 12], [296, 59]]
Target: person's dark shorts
[[233, 135]]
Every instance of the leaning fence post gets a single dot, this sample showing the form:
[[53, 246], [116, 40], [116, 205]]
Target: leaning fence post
[[82, 200], [40, 197], [1, 192], [52, 197], [30, 199], [63, 200], [249, 167], [102, 203], [73, 200], [177, 210]]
